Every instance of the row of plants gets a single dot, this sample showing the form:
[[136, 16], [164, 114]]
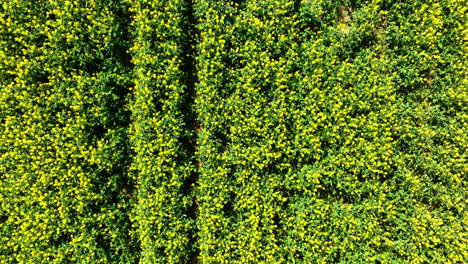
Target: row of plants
[[64, 148], [426, 51], [162, 166]]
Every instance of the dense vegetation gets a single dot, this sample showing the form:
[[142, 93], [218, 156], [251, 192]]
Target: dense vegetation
[[256, 131]]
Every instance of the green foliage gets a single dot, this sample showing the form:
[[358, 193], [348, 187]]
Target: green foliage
[[321, 138], [313, 131]]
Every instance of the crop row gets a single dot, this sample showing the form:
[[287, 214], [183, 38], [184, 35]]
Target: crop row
[[161, 165], [63, 133]]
